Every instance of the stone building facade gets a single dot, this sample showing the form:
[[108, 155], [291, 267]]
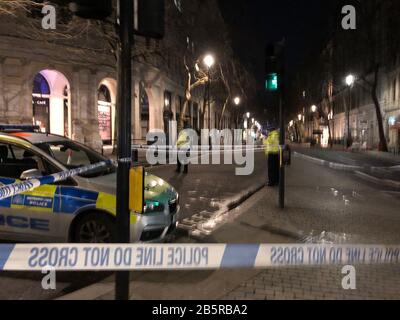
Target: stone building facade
[[67, 84]]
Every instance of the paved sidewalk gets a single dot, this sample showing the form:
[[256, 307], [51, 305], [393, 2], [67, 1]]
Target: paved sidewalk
[[354, 158], [326, 205], [350, 212], [376, 167], [372, 283]]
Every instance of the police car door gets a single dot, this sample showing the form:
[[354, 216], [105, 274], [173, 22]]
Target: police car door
[[28, 216]]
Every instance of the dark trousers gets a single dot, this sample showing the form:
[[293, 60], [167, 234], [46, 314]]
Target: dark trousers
[[273, 169], [180, 164], [185, 167]]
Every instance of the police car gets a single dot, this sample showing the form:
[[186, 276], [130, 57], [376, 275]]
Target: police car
[[81, 209]]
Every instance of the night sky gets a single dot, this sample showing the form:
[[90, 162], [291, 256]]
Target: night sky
[[254, 23]]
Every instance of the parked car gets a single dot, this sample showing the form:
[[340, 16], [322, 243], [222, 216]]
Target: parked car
[[81, 209]]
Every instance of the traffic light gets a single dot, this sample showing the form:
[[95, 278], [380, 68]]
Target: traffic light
[[91, 9], [150, 18], [274, 67], [149, 14], [272, 82]]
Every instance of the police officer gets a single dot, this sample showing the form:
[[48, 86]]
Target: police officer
[[184, 146], [271, 143]]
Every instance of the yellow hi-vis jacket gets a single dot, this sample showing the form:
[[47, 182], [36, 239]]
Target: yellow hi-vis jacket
[[183, 141], [271, 143]]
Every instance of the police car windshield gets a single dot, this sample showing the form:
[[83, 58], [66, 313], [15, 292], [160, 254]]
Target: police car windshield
[[74, 155]]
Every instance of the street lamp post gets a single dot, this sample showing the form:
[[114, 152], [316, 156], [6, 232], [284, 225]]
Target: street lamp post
[[314, 109], [299, 117], [246, 124], [350, 82], [236, 138], [236, 101], [209, 62]]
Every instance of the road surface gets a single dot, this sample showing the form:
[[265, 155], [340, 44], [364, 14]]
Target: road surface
[[323, 206]]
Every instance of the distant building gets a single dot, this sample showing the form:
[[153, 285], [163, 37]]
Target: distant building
[[343, 108], [65, 81]]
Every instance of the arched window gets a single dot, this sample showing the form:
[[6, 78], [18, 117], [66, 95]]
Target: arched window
[[41, 102], [104, 94], [50, 102], [40, 85], [105, 114]]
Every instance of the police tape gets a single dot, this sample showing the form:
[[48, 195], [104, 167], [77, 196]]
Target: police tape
[[11, 190], [153, 257], [207, 148]]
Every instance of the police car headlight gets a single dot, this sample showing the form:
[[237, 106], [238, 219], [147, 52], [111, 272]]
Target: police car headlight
[[153, 184], [153, 206]]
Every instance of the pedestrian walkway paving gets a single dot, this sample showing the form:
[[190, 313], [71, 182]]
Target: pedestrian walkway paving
[[355, 158], [323, 206], [316, 283]]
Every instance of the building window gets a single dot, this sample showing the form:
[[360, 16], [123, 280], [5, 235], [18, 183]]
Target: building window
[[41, 103], [167, 100], [50, 102], [40, 85], [144, 112], [105, 114]]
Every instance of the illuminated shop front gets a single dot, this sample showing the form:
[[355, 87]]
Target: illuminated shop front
[[50, 103]]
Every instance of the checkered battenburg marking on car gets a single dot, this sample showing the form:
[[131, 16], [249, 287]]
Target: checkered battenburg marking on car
[[113, 257]]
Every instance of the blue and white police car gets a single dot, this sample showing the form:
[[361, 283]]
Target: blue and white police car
[[81, 209]]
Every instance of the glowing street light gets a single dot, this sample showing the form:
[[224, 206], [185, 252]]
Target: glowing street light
[[300, 117], [209, 61], [236, 101], [248, 115], [314, 108], [350, 80]]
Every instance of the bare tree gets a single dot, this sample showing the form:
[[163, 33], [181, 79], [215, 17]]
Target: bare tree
[[13, 7]]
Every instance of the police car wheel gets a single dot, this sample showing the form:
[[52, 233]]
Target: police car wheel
[[95, 228]]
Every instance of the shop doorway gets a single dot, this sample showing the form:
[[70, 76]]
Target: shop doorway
[[51, 103]]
